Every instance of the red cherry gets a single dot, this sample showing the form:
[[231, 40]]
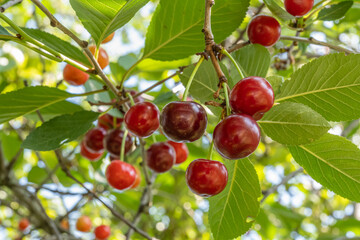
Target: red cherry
[[108, 38], [65, 224], [113, 141], [264, 30], [106, 122], [183, 121], [74, 76], [137, 179], [103, 58], [23, 224], [86, 153], [298, 8], [83, 224], [137, 99], [102, 232], [206, 178], [94, 140], [253, 96], [237, 136], [142, 119], [181, 150], [120, 175], [160, 157]]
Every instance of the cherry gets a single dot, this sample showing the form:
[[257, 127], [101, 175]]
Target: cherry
[[160, 157], [253, 96], [181, 150], [120, 175], [183, 121], [65, 224], [74, 76], [206, 178], [237, 136], [102, 232], [103, 58], [137, 179], [94, 140], [86, 153], [23, 224], [83, 224], [106, 122], [113, 141], [298, 8], [142, 119], [108, 38], [264, 30], [138, 99]]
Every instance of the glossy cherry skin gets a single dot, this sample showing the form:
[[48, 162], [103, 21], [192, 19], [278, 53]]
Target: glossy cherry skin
[[183, 121], [86, 153], [74, 76], [298, 8], [108, 38], [137, 179], [113, 141], [102, 232], [106, 122], [23, 224], [94, 140], [142, 119], [206, 178], [237, 136], [264, 30], [120, 175], [103, 58], [160, 157], [253, 96], [83, 224], [181, 150]]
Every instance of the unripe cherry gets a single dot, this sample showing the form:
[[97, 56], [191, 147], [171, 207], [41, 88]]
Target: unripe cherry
[[74, 76], [108, 38], [103, 58], [83, 224]]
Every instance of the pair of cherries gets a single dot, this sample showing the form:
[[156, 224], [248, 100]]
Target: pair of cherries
[[102, 232]]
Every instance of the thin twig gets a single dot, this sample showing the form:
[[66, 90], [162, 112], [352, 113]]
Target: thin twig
[[9, 4]]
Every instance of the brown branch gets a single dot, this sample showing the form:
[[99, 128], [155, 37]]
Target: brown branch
[[9, 4], [237, 46]]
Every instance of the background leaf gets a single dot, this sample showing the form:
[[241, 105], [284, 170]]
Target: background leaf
[[334, 162], [330, 85], [175, 29], [232, 212], [293, 123], [63, 129], [276, 7], [335, 11]]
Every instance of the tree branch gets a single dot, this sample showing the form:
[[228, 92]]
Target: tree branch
[[9, 4]]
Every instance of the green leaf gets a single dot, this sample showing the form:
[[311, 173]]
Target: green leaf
[[254, 60], [293, 124], [3, 31], [334, 162], [275, 7], [63, 129], [334, 12], [175, 29], [10, 144], [276, 83], [37, 175], [101, 18], [233, 211], [27, 100], [59, 45], [330, 85], [288, 217]]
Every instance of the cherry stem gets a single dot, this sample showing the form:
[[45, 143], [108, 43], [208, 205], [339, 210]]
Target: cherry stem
[[131, 99], [123, 142], [211, 150], [188, 85], [226, 92], [226, 53]]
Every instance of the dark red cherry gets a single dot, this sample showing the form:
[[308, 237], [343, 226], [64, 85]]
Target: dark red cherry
[[298, 8], [107, 122], [102, 232], [237, 136], [94, 140], [206, 178], [138, 99], [120, 175], [160, 157], [113, 141], [74, 76], [264, 30], [253, 96], [183, 121], [181, 150], [86, 153], [142, 119]]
